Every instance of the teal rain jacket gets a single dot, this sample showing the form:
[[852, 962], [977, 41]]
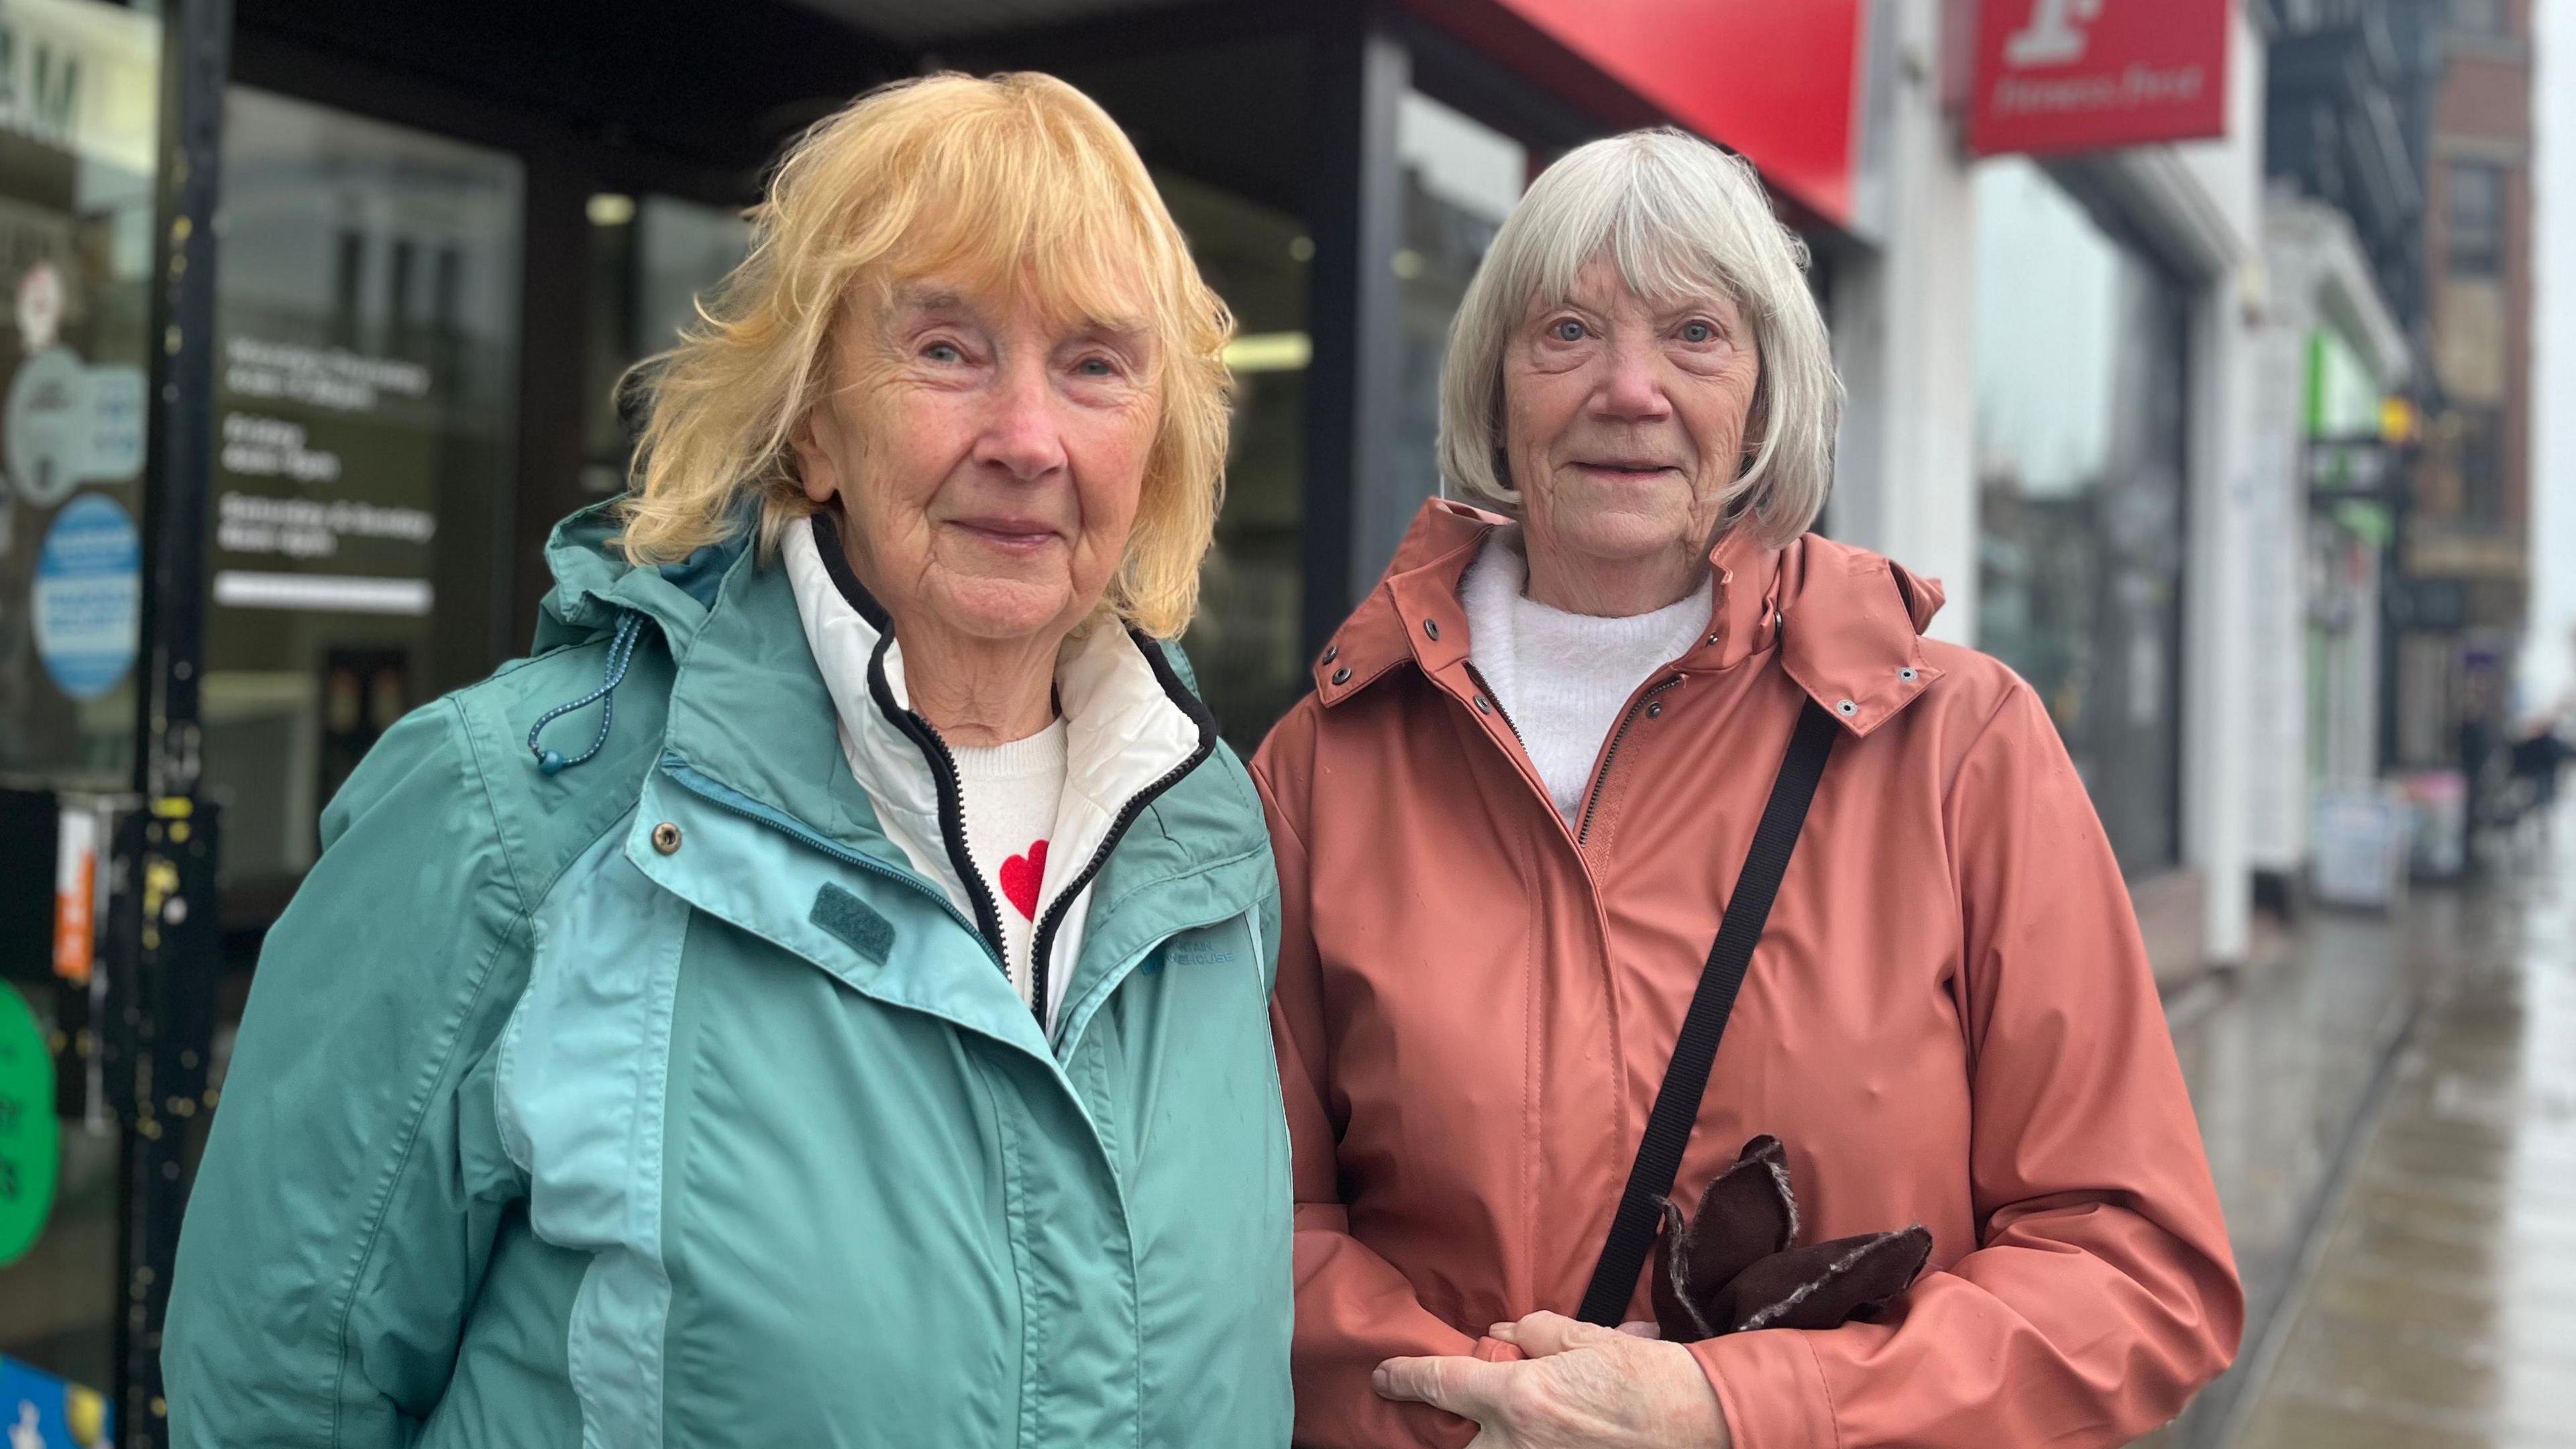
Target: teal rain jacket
[[651, 1097]]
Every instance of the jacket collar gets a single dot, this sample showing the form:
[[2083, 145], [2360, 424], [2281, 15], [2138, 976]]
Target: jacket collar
[[1847, 623], [1132, 731]]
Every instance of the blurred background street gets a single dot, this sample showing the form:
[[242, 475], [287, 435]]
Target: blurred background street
[[2437, 1307], [2215, 354]]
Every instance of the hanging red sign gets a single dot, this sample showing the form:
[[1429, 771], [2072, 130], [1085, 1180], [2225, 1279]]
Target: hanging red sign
[[2055, 76]]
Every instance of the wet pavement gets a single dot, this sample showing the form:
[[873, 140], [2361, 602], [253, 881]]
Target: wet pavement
[[2436, 1307]]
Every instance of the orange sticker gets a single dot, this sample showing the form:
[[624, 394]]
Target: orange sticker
[[75, 895]]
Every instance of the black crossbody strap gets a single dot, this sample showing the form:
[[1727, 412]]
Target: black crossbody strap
[[1668, 1127]]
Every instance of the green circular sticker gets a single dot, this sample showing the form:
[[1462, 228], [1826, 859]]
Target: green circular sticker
[[30, 1138]]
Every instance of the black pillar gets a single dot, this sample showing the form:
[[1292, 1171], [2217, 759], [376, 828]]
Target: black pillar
[[164, 945]]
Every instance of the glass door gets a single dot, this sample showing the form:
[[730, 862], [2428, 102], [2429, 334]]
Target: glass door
[[368, 334]]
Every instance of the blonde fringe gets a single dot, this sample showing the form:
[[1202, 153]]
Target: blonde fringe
[[1018, 176]]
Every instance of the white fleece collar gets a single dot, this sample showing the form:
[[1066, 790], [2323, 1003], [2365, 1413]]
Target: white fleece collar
[[1124, 735]]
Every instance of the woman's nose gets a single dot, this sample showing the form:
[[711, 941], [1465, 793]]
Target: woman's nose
[[1631, 392], [1021, 431]]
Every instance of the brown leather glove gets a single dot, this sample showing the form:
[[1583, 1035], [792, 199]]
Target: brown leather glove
[[1731, 1267]]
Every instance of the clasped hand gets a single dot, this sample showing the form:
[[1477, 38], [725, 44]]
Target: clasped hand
[[1577, 1384]]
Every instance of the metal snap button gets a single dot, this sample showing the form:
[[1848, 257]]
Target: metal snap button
[[1907, 674], [1655, 710], [1482, 707], [1332, 652], [1342, 675], [1431, 627], [1847, 707], [666, 838]]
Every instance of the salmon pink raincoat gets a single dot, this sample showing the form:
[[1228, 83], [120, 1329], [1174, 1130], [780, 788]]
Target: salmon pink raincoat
[[1950, 1019]]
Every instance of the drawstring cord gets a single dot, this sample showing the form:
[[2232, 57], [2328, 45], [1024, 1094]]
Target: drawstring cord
[[621, 649]]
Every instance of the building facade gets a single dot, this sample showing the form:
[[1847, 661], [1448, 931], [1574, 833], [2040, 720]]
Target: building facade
[[2458, 600]]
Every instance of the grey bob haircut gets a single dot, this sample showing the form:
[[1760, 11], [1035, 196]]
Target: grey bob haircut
[[1678, 218]]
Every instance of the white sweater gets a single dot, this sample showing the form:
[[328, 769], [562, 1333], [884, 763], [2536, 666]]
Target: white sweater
[[1563, 678], [1009, 794]]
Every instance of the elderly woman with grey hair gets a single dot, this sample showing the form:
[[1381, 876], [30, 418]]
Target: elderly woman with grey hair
[[1675, 940]]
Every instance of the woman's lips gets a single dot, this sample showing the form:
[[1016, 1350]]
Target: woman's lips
[[1626, 470], [1008, 535]]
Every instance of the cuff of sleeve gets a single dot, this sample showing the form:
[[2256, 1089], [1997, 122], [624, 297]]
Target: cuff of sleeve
[[1770, 1388], [1494, 1350]]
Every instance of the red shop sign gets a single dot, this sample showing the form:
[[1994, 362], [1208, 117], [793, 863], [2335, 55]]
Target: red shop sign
[[2088, 75], [1774, 79]]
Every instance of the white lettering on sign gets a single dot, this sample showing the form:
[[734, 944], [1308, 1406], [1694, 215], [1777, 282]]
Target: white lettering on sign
[[329, 378], [304, 528], [2054, 36], [2138, 85], [263, 447]]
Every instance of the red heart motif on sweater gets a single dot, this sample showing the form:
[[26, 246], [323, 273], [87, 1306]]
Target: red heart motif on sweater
[[1020, 877]]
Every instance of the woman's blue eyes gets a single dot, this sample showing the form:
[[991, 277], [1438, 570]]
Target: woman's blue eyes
[[1569, 330], [949, 353]]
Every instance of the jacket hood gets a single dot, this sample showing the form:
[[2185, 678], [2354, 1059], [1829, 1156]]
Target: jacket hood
[[594, 583], [1847, 623]]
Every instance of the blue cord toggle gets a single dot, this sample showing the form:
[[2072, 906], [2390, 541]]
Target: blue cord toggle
[[621, 650]]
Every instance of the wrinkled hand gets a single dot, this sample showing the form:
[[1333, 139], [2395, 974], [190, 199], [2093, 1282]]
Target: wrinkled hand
[[1578, 1385]]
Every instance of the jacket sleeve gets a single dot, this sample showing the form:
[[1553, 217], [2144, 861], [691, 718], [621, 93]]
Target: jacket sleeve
[[353, 1176], [2101, 1293], [1354, 1308]]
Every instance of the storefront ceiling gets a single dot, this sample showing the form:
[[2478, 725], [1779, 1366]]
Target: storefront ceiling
[[910, 22]]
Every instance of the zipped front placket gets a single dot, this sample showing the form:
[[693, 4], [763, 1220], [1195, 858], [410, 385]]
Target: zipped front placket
[[1496, 700], [1609, 758], [952, 829], [1042, 945]]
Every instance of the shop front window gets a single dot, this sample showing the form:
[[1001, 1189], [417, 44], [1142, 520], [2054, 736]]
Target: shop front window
[[651, 259], [1244, 644], [2080, 443], [78, 141], [367, 335], [1459, 179], [76, 167]]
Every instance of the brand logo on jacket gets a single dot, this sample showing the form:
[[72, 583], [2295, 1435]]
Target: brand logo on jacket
[[2060, 76]]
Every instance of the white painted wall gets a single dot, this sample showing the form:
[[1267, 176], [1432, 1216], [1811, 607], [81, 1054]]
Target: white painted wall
[[2217, 758], [1903, 320]]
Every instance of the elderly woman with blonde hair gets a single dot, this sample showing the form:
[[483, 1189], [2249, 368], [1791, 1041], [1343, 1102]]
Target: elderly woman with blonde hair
[[1677, 940], [820, 998]]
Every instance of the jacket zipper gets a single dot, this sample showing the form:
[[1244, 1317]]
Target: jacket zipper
[[1592, 801], [952, 830], [1496, 700], [1042, 945], [837, 852]]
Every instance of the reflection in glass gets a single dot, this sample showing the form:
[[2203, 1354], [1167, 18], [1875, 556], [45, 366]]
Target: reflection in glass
[[1459, 179], [77, 156], [1244, 644], [2080, 437], [76, 167], [367, 327], [650, 260]]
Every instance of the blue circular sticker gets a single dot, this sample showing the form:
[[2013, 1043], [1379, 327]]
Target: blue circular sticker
[[88, 598]]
